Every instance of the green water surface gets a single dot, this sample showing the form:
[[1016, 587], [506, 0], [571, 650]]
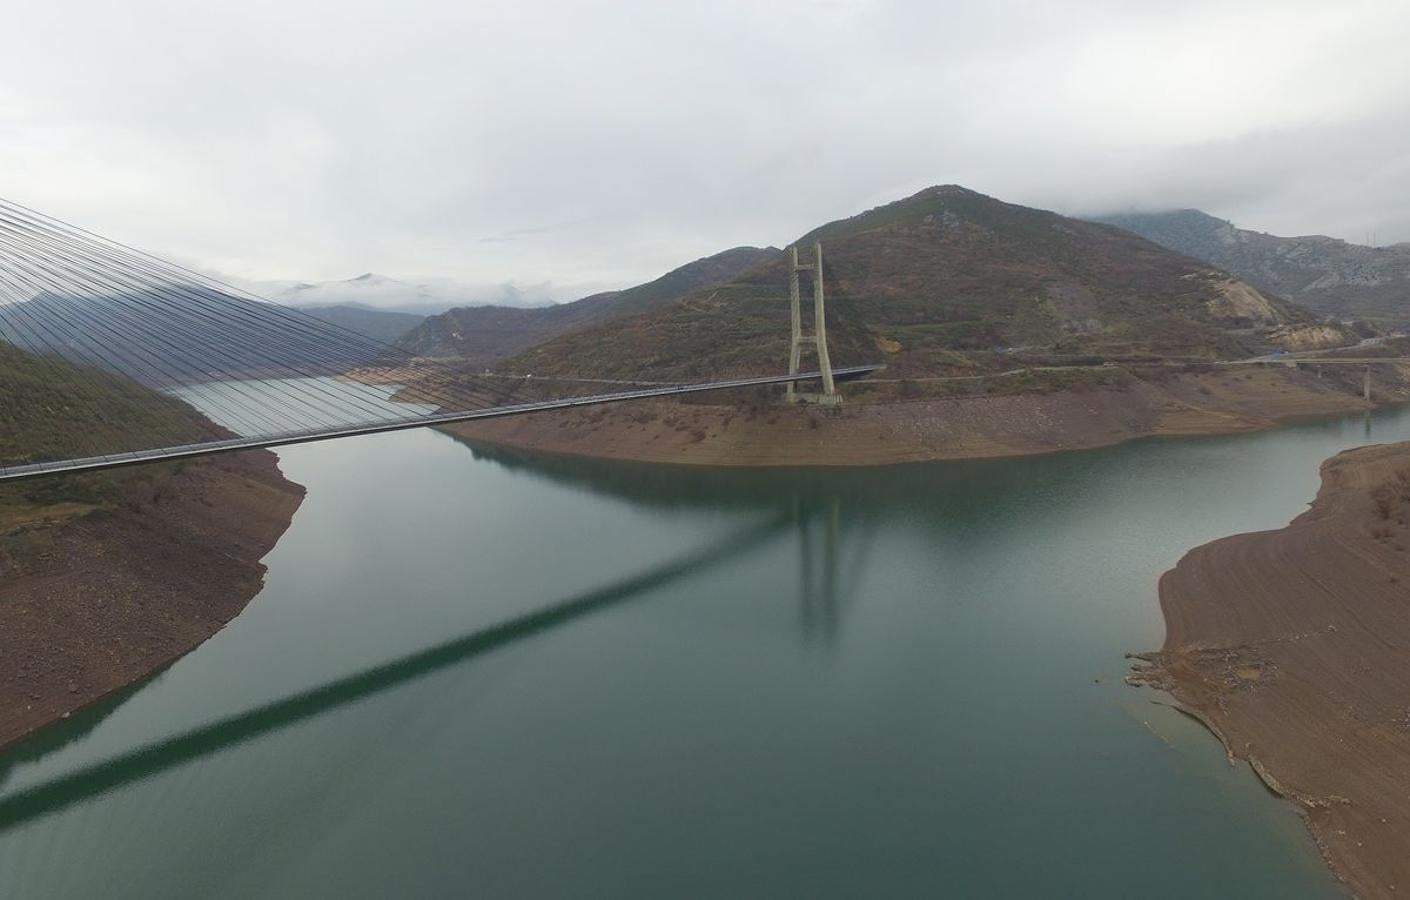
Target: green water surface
[[481, 673]]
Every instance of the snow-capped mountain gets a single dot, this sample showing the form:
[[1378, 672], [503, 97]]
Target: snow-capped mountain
[[424, 296]]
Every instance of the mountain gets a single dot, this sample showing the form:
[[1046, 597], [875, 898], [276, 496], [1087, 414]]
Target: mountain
[[1329, 276], [941, 280], [485, 335], [383, 325]]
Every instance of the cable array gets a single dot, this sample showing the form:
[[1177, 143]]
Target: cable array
[[110, 356], [108, 324]]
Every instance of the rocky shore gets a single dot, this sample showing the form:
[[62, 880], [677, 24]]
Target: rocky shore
[[93, 600], [866, 431], [1293, 646]]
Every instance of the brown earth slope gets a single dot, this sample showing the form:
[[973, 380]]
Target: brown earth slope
[[106, 576], [1294, 647], [92, 599]]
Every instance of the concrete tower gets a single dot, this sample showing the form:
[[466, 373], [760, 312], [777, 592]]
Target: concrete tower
[[818, 339]]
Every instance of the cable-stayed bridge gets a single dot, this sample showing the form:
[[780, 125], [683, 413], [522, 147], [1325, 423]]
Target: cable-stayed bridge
[[103, 346]]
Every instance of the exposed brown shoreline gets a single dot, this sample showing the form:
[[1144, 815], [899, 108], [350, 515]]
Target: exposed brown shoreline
[[1293, 646], [97, 602], [974, 427]]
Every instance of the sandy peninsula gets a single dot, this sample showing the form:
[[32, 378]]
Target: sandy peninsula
[[879, 424], [1293, 646]]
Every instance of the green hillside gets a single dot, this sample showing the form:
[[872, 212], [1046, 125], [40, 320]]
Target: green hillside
[[53, 409]]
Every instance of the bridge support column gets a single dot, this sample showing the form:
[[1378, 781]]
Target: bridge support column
[[1366, 390], [795, 347], [818, 339]]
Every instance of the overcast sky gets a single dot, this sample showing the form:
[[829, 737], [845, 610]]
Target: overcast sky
[[575, 144]]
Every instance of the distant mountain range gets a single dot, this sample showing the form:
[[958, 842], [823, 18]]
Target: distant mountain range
[[165, 338], [425, 297], [930, 283], [947, 281], [487, 335], [385, 325], [1328, 276]]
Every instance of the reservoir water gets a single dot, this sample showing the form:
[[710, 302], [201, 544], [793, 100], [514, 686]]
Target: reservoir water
[[481, 673]]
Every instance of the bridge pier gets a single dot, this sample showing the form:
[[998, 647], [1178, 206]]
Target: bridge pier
[[818, 339], [1366, 389]]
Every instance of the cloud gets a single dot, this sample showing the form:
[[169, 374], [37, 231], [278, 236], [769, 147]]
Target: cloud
[[590, 142]]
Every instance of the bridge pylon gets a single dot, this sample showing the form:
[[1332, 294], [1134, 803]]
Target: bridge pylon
[[818, 339]]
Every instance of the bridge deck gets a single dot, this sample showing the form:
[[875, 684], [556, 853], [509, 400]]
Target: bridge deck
[[304, 436]]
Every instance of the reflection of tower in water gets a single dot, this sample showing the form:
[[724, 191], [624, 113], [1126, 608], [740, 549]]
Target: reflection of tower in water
[[825, 537], [191, 747]]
